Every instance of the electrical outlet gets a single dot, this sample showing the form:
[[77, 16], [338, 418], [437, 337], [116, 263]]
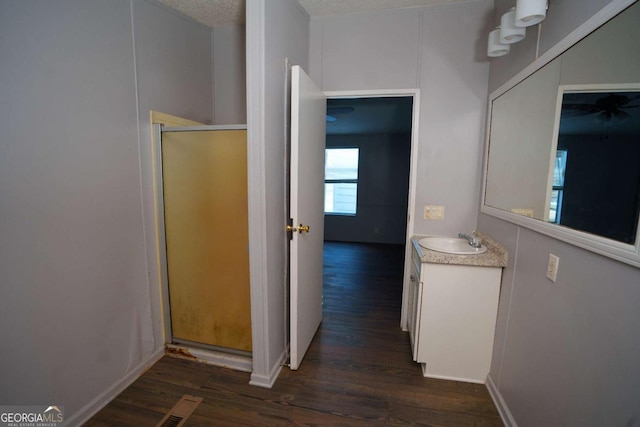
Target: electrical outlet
[[552, 268], [434, 212]]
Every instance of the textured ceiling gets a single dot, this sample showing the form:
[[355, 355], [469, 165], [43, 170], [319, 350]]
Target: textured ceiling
[[216, 13], [212, 13]]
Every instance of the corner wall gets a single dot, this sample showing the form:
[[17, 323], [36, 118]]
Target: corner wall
[[229, 75], [276, 30]]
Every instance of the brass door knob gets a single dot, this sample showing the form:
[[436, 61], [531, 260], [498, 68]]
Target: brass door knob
[[299, 228]]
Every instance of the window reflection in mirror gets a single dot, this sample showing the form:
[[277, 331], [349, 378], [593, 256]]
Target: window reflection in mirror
[[557, 191], [597, 168]]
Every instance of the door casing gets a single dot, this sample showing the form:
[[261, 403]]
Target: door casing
[[415, 95]]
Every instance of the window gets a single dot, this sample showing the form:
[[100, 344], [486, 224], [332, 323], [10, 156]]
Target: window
[[558, 186], [341, 181]]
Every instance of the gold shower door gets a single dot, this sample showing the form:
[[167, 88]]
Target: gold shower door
[[206, 227]]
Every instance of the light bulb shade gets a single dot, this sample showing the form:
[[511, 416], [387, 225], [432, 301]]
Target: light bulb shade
[[530, 12], [494, 47], [509, 33]]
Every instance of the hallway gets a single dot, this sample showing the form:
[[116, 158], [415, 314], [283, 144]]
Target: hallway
[[357, 372]]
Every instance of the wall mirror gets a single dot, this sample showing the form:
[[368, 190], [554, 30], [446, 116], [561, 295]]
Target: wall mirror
[[563, 144]]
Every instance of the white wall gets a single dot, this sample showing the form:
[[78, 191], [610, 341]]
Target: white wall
[[276, 29], [417, 48], [76, 303], [173, 64], [229, 75], [564, 353]]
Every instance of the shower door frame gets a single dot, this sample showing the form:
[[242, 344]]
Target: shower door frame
[[236, 359]]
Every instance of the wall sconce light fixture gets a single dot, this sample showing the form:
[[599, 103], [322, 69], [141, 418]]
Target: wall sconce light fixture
[[509, 32], [494, 47], [530, 12], [512, 25]]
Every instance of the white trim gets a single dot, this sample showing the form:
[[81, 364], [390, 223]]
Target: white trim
[[411, 216], [599, 87], [501, 405], [415, 133], [267, 381], [286, 283], [212, 357], [203, 127], [256, 88], [373, 93], [160, 233], [90, 409], [448, 377], [629, 254]]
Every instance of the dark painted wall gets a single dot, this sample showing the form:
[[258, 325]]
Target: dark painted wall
[[383, 189]]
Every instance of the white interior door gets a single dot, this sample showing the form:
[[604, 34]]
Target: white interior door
[[308, 115]]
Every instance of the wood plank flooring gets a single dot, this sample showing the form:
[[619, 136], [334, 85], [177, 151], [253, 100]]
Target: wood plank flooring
[[357, 372]]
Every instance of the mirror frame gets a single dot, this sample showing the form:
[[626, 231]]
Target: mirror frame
[[627, 253]]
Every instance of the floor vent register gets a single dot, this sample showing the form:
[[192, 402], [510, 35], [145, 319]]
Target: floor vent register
[[177, 416]]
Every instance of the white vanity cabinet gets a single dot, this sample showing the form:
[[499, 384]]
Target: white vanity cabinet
[[452, 313]]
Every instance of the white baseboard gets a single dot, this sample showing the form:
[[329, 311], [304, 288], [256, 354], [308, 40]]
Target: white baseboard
[[501, 405], [446, 377], [267, 381], [92, 408]]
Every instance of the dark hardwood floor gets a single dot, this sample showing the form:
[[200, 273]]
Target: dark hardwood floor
[[357, 372]]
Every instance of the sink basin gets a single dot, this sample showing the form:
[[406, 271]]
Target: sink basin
[[450, 245]]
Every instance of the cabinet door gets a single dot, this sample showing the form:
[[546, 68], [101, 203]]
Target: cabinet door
[[457, 321]]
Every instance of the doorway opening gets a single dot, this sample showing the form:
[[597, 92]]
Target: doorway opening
[[383, 127]]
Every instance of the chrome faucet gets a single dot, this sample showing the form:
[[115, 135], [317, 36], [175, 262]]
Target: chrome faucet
[[473, 240]]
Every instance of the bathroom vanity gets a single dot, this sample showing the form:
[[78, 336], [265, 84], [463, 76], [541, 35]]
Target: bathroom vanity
[[452, 303]]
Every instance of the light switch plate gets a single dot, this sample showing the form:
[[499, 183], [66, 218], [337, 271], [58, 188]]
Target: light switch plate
[[552, 267], [434, 212]]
